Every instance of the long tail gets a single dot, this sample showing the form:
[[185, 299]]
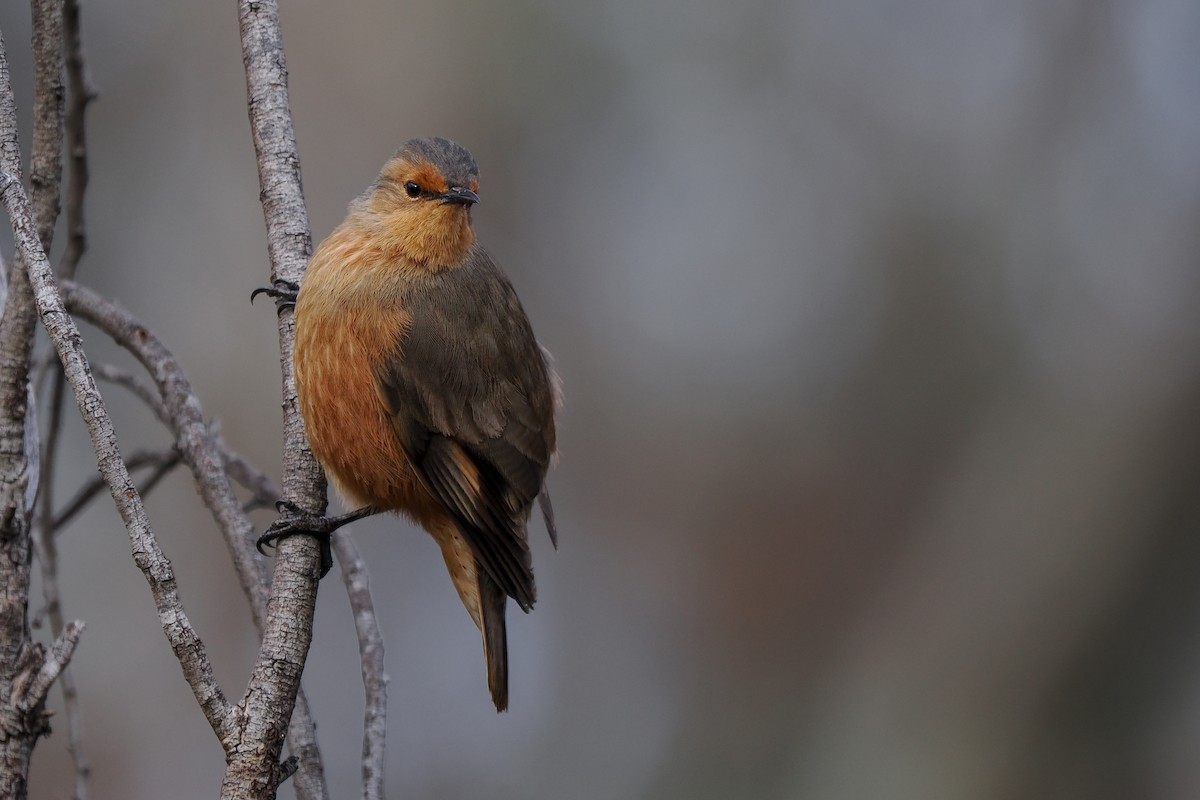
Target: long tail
[[485, 601], [492, 603]]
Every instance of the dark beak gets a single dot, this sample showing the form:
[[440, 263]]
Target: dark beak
[[461, 196]]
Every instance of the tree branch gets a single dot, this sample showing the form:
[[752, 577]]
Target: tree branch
[[263, 490], [180, 409], [186, 422], [162, 461], [188, 647], [275, 681], [80, 94], [43, 541], [52, 665], [45, 160], [284, 650], [136, 385], [19, 449], [370, 649]]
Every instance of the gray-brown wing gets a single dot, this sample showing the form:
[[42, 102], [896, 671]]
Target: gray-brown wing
[[471, 400]]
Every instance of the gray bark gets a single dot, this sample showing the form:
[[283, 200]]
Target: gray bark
[[253, 768]]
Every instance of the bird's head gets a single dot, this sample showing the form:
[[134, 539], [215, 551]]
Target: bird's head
[[422, 199]]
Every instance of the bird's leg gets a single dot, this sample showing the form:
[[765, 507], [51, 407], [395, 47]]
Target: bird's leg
[[294, 521], [284, 293]]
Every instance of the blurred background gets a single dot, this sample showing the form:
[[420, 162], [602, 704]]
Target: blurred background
[[881, 448]]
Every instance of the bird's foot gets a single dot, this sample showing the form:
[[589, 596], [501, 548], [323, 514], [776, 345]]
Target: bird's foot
[[294, 521], [283, 292]]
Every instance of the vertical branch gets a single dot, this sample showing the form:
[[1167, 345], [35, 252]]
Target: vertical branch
[[20, 659], [80, 94], [370, 649], [45, 159], [273, 687], [17, 734]]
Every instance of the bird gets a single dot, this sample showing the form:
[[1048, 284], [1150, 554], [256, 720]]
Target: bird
[[422, 387]]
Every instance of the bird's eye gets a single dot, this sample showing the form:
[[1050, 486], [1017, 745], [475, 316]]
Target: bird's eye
[[412, 189]]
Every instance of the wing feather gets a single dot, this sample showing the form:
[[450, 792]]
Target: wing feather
[[471, 399]]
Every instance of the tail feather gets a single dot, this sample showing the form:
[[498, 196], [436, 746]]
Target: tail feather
[[492, 601], [548, 515]]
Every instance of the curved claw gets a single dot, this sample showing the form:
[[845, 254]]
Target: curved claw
[[317, 527], [288, 507], [283, 292], [294, 521], [269, 539]]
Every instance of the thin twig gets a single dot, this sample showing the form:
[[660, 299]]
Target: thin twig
[[370, 650], [41, 366], [141, 388], [160, 471], [162, 461], [264, 492]]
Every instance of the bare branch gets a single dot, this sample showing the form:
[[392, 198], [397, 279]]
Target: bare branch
[[141, 388], [370, 649], [263, 490], [54, 663], [188, 647], [45, 161], [44, 545], [175, 403], [187, 424], [252, 770], [19, 448], [81, 94], [47, 554], [162, 461], [18, 471], [46, 550]]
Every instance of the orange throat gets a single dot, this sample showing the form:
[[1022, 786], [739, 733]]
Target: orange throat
[[430, 238]]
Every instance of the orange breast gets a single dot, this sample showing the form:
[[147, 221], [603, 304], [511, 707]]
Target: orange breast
[[346, 323]]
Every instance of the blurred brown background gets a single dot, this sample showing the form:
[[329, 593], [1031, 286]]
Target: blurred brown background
[[881, 452]]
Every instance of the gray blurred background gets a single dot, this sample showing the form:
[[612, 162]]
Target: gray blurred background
[[881, 448]]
